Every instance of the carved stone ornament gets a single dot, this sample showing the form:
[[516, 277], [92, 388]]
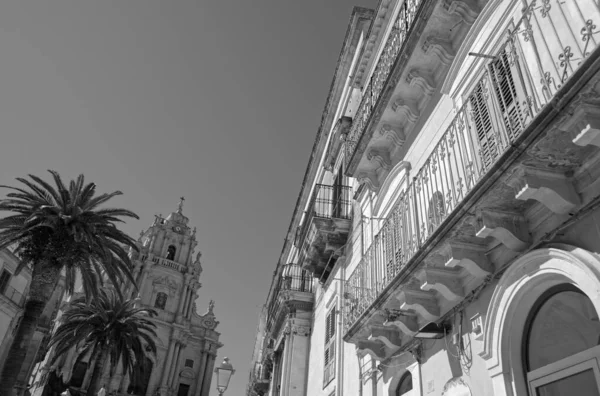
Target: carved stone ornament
[[456, 387], [300, 330], [556, 150], [166, 281]]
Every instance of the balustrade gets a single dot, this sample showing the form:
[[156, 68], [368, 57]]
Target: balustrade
[[541, 52]]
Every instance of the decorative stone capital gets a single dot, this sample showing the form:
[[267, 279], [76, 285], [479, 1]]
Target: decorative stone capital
[[553, 189], [300, 330], [510, 229]]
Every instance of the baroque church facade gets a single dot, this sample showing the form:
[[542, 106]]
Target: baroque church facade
[[168, 276]]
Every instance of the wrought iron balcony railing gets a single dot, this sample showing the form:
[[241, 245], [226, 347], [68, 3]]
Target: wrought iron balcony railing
[[541, 52], [327, 202], [392, 48], [293, 278]]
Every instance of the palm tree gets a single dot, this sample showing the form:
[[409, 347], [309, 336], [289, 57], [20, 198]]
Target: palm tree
[[54, 229], [108, 329]]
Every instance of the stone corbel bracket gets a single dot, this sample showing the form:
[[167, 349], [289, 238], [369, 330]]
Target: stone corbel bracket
[[393, 134], [408, 108], [510, 229], [375, 348], [424, 303], [388, 336], [422, 79], [584, 124], [380, 158], [440, 47], [407, 324], [444, 281], [469, 256], [369, 179], [465, 10], [553, 189]]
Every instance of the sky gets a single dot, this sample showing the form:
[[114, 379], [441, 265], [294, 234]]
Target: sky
[[217, 101]]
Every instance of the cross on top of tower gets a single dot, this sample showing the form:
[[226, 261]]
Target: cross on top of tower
[[180, 206]]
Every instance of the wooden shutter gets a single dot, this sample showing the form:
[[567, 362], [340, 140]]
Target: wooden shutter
[[509, 94], [482, 123]]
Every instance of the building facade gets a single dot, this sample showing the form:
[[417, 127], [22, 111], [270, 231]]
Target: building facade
[[449, 212], [167, 273], [13, 294]]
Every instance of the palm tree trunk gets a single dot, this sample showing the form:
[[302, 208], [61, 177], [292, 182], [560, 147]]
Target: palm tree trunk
[[98, 371], [44, 280]]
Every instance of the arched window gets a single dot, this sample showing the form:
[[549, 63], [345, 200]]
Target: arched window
[[561, 347], [171, 252], [161, 300], [405, 385]]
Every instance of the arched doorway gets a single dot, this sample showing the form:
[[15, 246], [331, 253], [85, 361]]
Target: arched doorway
[[541, 330], [561, 348]]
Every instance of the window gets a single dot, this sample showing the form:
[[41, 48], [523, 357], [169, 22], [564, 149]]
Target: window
[[183, 390], [4, 280], [496, 99], [189, 363], [78, 374], [161, 300], [329, 369], [171, 252], [561, 349], [405, 385]]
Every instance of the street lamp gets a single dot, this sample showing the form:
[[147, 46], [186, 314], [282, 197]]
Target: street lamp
[[224, 373]]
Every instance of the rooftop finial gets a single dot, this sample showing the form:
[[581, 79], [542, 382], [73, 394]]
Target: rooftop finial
[[211, 306], [180, 207]]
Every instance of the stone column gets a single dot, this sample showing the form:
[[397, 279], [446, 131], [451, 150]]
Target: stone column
[[182, 297], [173, 363], [199, 372], [167, 366], [191, 304], [185, 300], [210, 365], [286, 365], [177, 365]]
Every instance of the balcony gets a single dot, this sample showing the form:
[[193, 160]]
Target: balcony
[[404, 86], [260, 378], [521, 138], [325, 229], [164, 262]]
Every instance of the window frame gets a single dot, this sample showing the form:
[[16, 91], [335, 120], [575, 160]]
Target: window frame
[[571, 365], [329, 352], [4, 286]]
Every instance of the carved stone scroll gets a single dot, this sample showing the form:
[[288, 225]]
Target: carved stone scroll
[[551, 188], [407, 324], [469, 256], [446, 282], [584, 124], [422, 302], [388, 336], [509, 228]]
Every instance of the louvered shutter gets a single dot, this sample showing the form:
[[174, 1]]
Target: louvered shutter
[[511, 97], [482, 123]]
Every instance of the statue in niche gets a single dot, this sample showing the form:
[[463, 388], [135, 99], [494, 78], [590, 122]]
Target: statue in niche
[[161, 301]]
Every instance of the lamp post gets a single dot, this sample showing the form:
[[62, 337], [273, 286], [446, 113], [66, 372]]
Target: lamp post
[[224, 373]]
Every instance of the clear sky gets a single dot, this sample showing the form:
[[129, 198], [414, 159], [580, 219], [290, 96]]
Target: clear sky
[[218, 101]]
